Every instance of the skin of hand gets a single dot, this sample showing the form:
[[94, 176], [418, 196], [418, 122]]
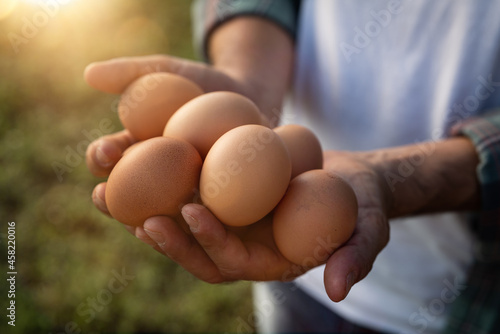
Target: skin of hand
[[443, 179], [215, 253], [249, 56]]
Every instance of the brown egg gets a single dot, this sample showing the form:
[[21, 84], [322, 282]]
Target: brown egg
[[317, 214], [148, 102], [245, 174], [205, 118], [303, 146], [154, 178], [131, 147]]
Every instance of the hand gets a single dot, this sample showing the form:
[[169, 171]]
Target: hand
[[444, 179], [216, 253], [113, 76], [250, 56], [248, 246], [208, 249], [351, 263]]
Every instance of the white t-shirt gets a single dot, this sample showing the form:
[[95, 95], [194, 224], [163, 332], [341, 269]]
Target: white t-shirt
[[382, 73]]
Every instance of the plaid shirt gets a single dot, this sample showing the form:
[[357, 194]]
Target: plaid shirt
[[477, 308]]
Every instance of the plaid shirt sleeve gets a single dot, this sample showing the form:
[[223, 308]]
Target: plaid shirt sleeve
[[477, 309], [209, 14]]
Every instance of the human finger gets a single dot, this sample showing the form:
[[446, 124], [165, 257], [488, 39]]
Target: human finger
[[99, 198], [353, 261], [114, 75], [139, 233], [182, 248], [103, 153], [143, 236], [130, 229], [237, 257]]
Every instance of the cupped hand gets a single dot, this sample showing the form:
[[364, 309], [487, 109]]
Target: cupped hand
[[351, 263], [216, 253], [113, 76], [212, 251]]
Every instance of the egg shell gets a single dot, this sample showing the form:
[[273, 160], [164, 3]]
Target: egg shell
[[207, 117], [303, 146], [148, 102], [156, 177], [317, 214], [245, 174]]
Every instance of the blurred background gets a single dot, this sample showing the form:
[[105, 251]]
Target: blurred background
[[77, 270]]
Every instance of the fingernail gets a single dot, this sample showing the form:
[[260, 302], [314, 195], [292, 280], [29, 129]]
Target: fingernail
[[157, 237], [349, 282], [191, 221], [103, 159]]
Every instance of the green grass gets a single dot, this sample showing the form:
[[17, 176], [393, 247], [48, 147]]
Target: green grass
[[67, 253]]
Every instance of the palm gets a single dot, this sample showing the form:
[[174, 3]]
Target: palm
[[216, 253]]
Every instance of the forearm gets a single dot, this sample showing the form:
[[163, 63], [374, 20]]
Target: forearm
[[429, 177], [257, 53]]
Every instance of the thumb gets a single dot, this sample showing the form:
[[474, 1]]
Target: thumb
[[114, 75], [352, 262]]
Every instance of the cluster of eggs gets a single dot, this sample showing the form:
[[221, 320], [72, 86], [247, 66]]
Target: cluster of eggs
[[217, 148]]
